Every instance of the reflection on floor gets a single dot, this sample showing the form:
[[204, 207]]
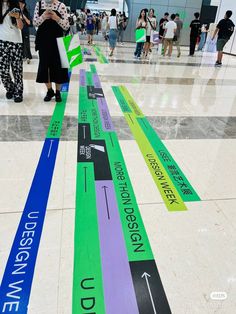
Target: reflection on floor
[[192, 106]]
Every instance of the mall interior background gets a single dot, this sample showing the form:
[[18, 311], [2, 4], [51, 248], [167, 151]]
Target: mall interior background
[[214, 11]]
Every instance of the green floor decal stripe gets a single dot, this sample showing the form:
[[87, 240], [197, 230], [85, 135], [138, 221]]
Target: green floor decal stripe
[[180, 181], [87, 277], [100, 55], [54, 130], [97, 139], [87, 283], [93, 68], [183, 186], [153, 153]]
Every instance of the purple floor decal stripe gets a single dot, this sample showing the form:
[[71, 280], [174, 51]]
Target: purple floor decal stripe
[[82, 78], [96, 81], [105, 115], [118, 285]]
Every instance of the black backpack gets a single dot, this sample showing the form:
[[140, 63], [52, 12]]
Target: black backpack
[[71, 20]]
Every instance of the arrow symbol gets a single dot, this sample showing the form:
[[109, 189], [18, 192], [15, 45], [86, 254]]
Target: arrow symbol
[[98, 95], [50, 148], [146, 275], [98, 147], [85, 179], [84, 131], [105, 192]]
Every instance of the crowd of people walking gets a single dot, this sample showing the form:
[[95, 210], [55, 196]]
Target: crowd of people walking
[[52, 20]]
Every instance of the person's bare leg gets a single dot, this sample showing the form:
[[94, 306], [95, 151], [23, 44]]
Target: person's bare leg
[[58, 87], [49, 85], [165, 46], [111, 51], [170, 49], [220, 56], [147, 48]]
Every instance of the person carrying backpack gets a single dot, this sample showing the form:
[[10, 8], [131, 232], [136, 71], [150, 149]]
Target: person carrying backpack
[[224, 29], [72, 21]]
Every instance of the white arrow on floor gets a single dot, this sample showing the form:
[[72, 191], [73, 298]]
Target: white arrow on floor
[[50, 148], [84, 129], [146, 275]]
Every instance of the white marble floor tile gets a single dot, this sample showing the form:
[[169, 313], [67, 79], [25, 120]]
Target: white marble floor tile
[[17, 173], [195, 254], [208, 164]]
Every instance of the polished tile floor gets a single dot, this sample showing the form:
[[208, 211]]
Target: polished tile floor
[[192, 106]]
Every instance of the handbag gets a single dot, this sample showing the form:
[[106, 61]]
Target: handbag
[[175, 38], [70, 51], [155, 39], [140, 35], [210, 45]]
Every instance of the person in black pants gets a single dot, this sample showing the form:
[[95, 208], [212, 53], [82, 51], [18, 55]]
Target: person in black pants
[[195, 27], [25, 31]]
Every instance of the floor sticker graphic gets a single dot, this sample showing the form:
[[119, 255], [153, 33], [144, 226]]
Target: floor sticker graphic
[[114, 268], [17, 279], [171, 181], [100, 55]]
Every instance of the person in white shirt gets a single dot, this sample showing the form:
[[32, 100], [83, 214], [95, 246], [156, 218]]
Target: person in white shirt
[[112, 23], [11, 49], [170, 30], [104, 25], [151, 26], [72, 20]]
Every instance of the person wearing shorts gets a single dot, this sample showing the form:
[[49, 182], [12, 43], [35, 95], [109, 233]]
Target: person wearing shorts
[[179, 24], [151, 26], [90, 25], [224, 29], [170, 30]]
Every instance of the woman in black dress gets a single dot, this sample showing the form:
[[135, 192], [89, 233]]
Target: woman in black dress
[[51, 20]]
